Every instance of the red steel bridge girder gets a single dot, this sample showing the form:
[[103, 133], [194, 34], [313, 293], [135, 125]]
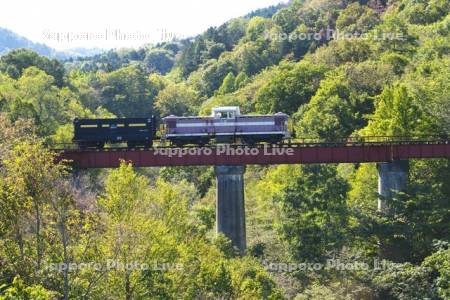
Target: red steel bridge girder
[[292, 154]]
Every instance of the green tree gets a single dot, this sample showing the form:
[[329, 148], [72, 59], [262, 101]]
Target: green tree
[[211, 75], [37, 210], [424, 12], [338, 52], [428, 85], [20, 291], [251, 58], [34, 96], [289, 88], [241, 80], [231, 32], [158, 61], [176, 99], [126, 92], [215, 50], [17, 61], [256, 28], [127, 241], [344, 98], [287, 18], [228, 85], [313, 212], [408, 281], [192, 55], [396, 114], [357, 19], [393, 34]]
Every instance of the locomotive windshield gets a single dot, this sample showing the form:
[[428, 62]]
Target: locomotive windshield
[[227, 112]]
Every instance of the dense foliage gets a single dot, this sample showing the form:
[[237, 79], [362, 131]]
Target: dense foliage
[[149, 234]]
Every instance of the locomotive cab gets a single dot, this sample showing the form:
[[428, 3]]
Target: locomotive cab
[[225, 117], [226, 112]]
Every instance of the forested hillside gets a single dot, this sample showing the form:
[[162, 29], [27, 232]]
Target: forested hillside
[[10, 41], [339, 68]]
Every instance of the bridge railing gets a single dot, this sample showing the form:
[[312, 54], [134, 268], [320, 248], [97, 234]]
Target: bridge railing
[[302, 142], [373, 139]]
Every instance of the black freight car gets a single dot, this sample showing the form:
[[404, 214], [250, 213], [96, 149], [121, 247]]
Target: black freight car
[[95, 133]]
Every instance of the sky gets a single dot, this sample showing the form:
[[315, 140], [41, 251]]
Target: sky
[[118, 23]]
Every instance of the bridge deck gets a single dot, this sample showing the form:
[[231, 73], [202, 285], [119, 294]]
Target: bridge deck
[[299, 153]]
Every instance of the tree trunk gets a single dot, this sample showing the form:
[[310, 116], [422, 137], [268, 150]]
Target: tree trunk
[[38, 235], [66, 258], [128, 293], [19, 239]]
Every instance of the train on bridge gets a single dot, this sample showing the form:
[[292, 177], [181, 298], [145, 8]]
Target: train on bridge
[[225, 125]]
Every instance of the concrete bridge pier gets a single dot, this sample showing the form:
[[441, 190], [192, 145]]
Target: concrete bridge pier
[[230, 211], [392, 178]]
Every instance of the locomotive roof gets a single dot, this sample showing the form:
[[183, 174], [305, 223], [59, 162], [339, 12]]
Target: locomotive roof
[[111, 120], [210, 117]]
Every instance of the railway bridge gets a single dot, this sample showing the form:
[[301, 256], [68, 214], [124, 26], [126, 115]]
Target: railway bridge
[[392, 155]]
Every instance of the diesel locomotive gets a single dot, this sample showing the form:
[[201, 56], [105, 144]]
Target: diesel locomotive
[[225, 125]]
